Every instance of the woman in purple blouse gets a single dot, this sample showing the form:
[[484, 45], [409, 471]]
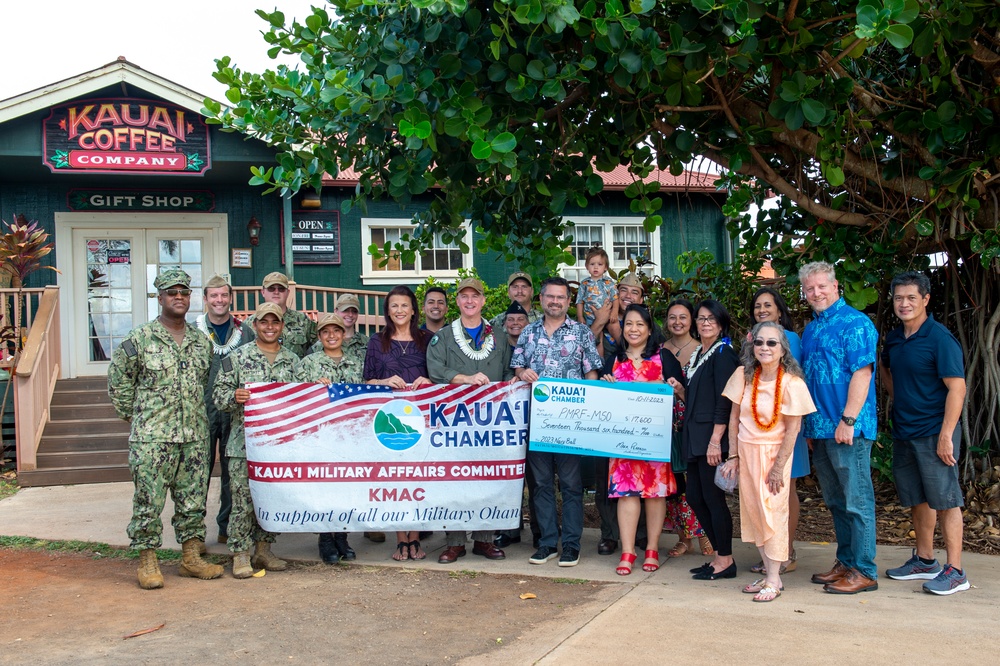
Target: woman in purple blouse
[[397, 357]]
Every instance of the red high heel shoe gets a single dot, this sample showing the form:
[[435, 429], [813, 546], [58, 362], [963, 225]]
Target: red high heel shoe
[[621, 569], [652, 555]]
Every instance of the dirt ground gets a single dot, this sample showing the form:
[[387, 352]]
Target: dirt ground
[[64, 608]]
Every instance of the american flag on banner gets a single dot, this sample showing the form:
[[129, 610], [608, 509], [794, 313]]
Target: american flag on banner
[[282, 411]]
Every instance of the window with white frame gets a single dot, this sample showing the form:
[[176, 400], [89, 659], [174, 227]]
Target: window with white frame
[[623, 238], [442, 260]]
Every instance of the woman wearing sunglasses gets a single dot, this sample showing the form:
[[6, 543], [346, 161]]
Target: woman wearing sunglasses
[[769, 398], [769, 305]]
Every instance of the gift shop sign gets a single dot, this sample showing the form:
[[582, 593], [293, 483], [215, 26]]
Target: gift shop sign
[[125, 135]]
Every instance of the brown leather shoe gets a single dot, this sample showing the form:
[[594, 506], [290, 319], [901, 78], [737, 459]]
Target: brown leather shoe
[[832, 576], [451, 553], [852, 583], [487, 550]]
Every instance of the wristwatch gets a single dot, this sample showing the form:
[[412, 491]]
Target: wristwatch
[[849, 420]]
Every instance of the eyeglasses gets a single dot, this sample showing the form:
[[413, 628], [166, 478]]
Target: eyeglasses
[[705, 320], [276, 288], [177, 292], [770, 343]]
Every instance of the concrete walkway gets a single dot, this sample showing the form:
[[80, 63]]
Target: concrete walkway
[[666, 615]]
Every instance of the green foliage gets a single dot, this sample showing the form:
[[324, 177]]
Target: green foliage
[[882, 457], [873, 119], [92, 549]]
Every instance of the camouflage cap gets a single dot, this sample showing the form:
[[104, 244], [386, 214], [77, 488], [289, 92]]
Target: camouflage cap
[[268, 308], [330, 319], [171, 278], [520, 275], [216, 281], [345, 301], [471, 283], [630, 280], [277, 277]]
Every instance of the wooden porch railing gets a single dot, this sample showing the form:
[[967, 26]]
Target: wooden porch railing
[[19, 314], [315, 300], [38, 368]]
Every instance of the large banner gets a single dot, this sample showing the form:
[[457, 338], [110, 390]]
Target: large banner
[[591, 418], [354, 457]]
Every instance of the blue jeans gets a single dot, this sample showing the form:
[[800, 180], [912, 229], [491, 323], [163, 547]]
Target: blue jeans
[[544, 467], [845, 477]]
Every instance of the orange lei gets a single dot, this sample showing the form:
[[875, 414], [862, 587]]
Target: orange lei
[[777, 400]]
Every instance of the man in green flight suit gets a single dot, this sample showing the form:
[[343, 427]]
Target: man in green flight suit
[[469, 351], [157, 381], [299, 330], [266, 360]]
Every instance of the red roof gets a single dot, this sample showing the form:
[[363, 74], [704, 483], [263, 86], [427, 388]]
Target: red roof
[[615, 181]]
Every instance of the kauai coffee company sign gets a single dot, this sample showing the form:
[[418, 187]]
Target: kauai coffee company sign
[[315, 237], [138, 136]]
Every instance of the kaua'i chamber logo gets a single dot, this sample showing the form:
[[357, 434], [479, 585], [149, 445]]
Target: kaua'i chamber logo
[[399, 425], [541, 393]]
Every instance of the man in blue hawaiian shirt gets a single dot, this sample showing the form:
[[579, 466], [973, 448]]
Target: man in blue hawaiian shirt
[[838, 357]]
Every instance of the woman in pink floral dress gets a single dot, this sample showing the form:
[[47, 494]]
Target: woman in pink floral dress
[[632, 481]]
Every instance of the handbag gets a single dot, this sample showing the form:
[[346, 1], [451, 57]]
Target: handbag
[[726, 477]]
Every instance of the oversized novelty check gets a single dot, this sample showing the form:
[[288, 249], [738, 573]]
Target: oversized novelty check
[[595, 418]]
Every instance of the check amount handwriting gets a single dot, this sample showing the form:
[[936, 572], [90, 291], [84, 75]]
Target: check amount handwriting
[[597, 416]]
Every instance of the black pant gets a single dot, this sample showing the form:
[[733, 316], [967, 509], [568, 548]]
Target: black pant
[[218, 435], [708, 502]]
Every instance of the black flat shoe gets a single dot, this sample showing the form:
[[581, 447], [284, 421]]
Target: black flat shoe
[[607, 547], [706, 565], [709, 574]]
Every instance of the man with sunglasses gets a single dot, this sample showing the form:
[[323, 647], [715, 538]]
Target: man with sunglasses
[[157, 382], [300, 330]]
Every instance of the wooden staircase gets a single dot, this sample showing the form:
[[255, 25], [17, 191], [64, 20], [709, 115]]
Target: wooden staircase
[[84, 441]]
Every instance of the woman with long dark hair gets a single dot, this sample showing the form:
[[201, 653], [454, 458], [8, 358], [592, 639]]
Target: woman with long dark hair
[[397, 357], [681, 342], [768, 304], [703, 440], [634, 482]]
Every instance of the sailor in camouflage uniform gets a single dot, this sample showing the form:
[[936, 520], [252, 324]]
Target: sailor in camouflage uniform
[[264, 361], [328, 366], [157, 381], [299, 330], [355, 342]]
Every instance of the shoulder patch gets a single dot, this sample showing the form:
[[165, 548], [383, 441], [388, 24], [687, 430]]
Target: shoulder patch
[[227, 364], [434, 340], [130, 349]]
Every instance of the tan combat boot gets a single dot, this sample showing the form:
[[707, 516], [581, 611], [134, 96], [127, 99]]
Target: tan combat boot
[[150, 577], [192, 566], [263, 558], [241, 565]]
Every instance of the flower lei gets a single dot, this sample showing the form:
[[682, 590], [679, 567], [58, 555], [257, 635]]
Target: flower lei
[[777, 400], [234, 340], [692, 368], [484, 351]]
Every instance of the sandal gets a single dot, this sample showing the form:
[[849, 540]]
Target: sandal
[[621, 569], [402, 551], [415, 552], [651, 555], [706, 546], [680, 548], [767, 593], [757, 586]]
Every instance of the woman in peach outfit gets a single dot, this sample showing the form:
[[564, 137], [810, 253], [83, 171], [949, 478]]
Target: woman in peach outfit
[[761, 441]]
